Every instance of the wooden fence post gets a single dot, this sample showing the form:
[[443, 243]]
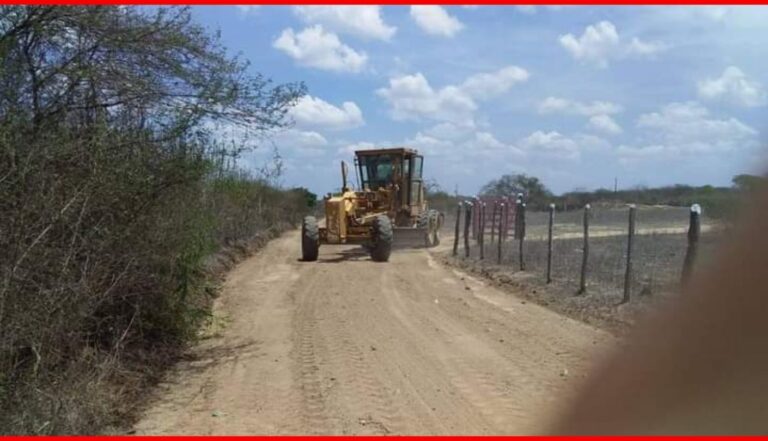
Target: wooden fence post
[[477, 221], [585, 252], [549, 241], [502, 212], [630, 240], [474, 222], [481, 234], [467, 222], [493, 220], [507, 207], [456, 235], [521, 225], [694, 230]]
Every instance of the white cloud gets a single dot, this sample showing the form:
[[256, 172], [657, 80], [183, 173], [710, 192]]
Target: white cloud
[[350, 149], [735, 87], [564, 106], [486, 144], [315, 47], [430, 145], [551, 144], [303, 138], [601, 43], [687, 14], [598, 43], [628, 155], [604, 123], [592, 143], [541, 145], [361, 21], [302, 143], [688, 129], [487, 85], [457, 148], [412, 97], [435, 20], [487, 140], [248, 9], [643, 48], [314, 112], [532, 9], [449, 130]]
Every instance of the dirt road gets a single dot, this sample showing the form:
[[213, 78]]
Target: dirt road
[[348, 346]]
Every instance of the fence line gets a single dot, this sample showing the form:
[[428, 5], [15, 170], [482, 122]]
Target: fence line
[[479, 212]]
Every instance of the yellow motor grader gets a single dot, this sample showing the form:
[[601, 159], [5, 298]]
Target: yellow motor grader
[[389, 207]]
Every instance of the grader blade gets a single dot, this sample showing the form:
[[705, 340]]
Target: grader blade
[[411, 237]]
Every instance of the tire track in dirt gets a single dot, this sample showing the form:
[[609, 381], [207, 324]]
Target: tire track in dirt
[[463, 360], [307, 347], [349, 346], [480, 367], [348, 360]]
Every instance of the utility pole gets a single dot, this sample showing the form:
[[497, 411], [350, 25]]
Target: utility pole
[[615, 185]]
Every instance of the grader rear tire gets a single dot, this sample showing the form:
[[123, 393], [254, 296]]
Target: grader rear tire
[[310, 239], [382, 239]]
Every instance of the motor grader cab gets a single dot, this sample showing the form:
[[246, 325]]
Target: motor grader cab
[[388, 207]]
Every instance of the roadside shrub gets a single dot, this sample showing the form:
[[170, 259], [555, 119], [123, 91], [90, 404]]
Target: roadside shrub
[[112, 196]]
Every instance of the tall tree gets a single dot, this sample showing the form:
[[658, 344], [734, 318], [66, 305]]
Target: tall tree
[[154, 71], [748, 183], [534, 191]]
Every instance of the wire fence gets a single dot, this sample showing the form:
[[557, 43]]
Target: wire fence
[[632, 251]]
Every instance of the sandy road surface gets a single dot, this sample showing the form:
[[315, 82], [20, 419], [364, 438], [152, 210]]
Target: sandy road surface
[[349, 346]]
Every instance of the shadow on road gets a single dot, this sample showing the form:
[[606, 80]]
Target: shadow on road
[[346, 255]]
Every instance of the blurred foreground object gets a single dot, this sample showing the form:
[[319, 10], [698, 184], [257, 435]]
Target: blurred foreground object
[[699, 366]]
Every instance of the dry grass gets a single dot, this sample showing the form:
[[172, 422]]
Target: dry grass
[[657, 262]]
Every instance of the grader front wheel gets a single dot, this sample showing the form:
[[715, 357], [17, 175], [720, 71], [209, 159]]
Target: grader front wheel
[[310, 239], [381, 246]]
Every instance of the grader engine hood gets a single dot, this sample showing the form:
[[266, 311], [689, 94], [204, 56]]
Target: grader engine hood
[[337, 209]]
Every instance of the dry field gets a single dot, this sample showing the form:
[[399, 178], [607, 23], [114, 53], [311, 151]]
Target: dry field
[[659, 250]]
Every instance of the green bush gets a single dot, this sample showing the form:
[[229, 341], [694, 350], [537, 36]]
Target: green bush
[[113, 195]]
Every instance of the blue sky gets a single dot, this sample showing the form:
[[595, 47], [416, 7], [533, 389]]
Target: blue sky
[[573, 95]]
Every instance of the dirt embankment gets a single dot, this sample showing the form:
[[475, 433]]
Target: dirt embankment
[[349, 346]]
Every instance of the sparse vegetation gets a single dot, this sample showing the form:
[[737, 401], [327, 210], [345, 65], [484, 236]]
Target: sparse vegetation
[[659, 251], [114, 190], [718, 202]]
